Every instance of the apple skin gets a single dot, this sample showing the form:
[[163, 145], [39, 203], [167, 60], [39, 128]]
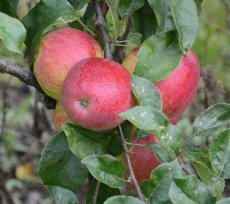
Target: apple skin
[[179, 88], [143, 159], [59, 117], [58, 52], [95, 91]]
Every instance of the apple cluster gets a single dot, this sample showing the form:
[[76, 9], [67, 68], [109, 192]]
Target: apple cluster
[[92, 91]]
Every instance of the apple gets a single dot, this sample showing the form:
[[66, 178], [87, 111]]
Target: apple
[[143, 159], [59, 117], [58, 52], [95, 92], [179, 88]]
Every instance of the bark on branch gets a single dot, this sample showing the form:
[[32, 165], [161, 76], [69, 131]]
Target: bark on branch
[[108, 55], [20, 73]]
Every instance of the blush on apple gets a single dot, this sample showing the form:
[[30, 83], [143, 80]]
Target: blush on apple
[[95, 92], [59, 51], [179, 88], [142, 158]]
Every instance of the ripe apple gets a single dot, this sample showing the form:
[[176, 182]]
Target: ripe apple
[[95, 91], [59, 117], [179, 88], [143, 159], [59, 51]]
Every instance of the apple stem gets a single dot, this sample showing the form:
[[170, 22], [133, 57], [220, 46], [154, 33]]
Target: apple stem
[[131, 172], [100, 22], [135, 144]]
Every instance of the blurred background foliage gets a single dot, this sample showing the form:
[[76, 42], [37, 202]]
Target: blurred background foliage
[[27, 125]]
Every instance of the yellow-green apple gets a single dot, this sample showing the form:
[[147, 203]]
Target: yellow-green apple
[[58, 52], [59, 117], [95, 91], [179, 88]]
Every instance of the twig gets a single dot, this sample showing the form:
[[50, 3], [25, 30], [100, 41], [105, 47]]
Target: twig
[[4, 106], [131, 173], [135, 144], [100, 22], [96, 192], [184, 168], [20, 73], [108, 55], [28, 78]]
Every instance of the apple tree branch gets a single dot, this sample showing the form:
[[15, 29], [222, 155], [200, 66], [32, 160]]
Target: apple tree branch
[[108, 55], [20, 73]]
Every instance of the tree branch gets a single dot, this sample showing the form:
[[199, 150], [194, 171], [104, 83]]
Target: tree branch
[[184, 168], [100, 22], [131, 172], [28, 78], [20, 73], [108, 55]]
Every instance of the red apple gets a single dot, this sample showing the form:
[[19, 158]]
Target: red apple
[[59, 51], [59, 117], [143, 159], [179, 88], [95, 91]]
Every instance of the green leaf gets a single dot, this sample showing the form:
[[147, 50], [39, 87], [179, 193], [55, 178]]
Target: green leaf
[[160, 152], [127, 7], [80, 145], [45, 14], [58, 166], [106, 169], [211, 119], [78, 4], [224, 201], [199, 157], [190, 190], [158, 56], [163, 15], [123, 200], [84, 142], [203, 171], [115, 26], [134, 39], [12, 33], [157, 187], [199, 153], [144, 21], [185, 17], [146, 93], [62, 195], [172, 140], [150, 120], [209, 178], [9, 7], [180, 15], [104, 192], [220, 154]]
